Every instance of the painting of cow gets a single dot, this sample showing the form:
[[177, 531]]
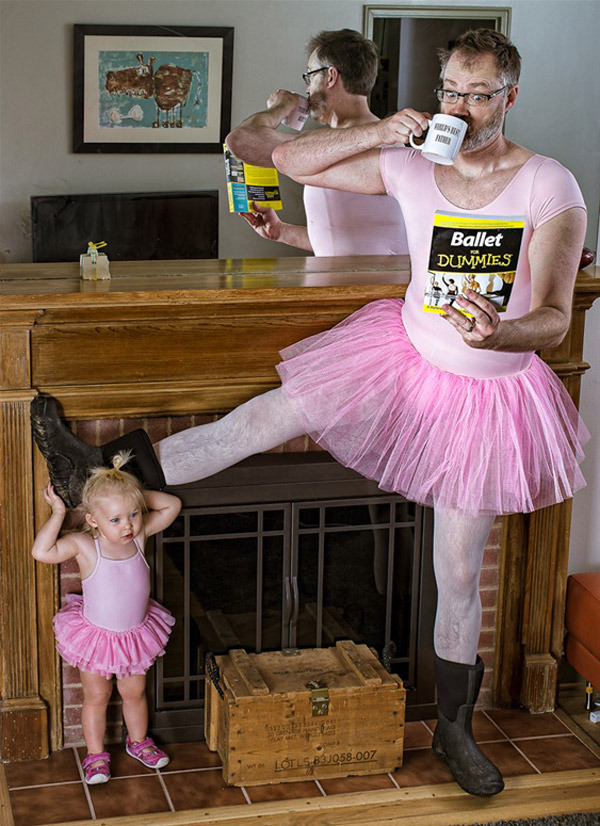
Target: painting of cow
[[149, 88], [169, 86]]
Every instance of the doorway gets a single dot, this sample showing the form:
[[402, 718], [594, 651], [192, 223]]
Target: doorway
[[408, 39]]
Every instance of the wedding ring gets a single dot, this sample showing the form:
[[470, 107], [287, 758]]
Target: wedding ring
[[471, 328]]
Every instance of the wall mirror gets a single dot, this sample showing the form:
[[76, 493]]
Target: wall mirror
[[408, 39]]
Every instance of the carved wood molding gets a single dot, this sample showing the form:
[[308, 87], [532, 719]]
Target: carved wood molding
[[23, 714], [158, 399], [535, 551]]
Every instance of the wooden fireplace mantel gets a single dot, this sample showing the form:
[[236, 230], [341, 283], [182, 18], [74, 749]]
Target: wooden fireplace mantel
[[182, 337]]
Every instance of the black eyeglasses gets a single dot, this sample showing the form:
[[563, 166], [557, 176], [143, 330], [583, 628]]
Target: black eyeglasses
[[306, 75], [471, 98]]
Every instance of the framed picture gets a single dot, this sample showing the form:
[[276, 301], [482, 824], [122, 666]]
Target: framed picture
[[152, 88]]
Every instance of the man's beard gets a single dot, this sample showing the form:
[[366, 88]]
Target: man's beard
[[477, 136], [317, 105]]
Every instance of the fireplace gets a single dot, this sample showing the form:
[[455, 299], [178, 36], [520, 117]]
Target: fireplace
[[285, 551]]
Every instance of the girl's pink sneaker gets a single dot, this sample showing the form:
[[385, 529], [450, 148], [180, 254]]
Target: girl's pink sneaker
[[99, 773], [147, 752]]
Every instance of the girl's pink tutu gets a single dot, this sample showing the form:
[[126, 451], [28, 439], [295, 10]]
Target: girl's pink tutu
[[495, 446], [101, 651]]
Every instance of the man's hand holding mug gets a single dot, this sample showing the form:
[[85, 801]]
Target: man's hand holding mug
[[443, 139]]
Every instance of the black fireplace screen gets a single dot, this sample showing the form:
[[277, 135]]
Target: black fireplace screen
[[350, 562]]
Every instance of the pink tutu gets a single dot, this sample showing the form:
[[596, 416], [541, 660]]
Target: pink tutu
[[101, 651], [495, 446]]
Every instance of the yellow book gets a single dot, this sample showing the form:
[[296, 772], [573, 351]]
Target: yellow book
[[246, 183], [475, 253]]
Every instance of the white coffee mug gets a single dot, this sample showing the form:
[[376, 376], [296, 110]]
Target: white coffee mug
[[443, 139], [297, 118]]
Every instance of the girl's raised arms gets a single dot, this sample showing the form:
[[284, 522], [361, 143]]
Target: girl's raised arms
[[162, 510], [47, 547]]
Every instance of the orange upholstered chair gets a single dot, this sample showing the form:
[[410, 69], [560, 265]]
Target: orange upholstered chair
[[583, 628]]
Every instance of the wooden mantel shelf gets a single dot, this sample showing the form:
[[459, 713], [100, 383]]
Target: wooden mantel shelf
[[182, 337], [23, 285], [178, 337]]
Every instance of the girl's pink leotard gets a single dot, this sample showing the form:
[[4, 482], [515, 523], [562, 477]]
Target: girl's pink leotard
[[114, 628], [116, 593]]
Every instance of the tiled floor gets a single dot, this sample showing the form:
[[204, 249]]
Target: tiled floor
[[52, 791]]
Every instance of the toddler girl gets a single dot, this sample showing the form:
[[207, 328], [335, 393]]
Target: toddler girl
[[114, 628]]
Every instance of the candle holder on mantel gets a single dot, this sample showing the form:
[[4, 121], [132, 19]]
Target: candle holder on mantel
[[93, 265]]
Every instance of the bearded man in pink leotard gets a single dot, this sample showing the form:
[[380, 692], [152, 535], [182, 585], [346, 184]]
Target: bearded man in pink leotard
[[518, 220], [387, 391], [341, 71]]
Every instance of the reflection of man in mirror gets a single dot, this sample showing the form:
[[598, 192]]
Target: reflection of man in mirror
[[341, 71], [386, 390]]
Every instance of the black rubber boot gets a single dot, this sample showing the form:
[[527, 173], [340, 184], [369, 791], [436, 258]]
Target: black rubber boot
[[458, 687], [70, 460]]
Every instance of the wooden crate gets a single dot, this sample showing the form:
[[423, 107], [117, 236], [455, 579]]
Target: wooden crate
[[318, 712]]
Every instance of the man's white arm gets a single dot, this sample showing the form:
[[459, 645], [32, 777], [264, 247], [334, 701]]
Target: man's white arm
[[319, 150], [295, 235], [357, 174], [347, 158], [554, 257], [254, 140]]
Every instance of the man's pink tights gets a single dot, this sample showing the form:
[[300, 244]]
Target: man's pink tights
[[260, 424]]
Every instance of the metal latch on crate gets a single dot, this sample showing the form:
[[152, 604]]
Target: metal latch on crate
[[319, 698], [214, 675]]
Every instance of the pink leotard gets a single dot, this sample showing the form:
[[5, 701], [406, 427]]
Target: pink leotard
[[116, 593], [541, 189], [346, 223], [114, 628]]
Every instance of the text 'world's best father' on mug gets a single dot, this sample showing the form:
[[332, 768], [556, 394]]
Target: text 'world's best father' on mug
[[443, 139]]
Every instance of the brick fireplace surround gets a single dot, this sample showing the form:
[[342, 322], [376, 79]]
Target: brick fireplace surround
[[163, 342]]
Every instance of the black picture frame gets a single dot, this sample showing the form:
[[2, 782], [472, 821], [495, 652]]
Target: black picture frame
[[161, 89]]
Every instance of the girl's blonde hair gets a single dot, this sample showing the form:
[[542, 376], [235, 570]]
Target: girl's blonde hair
[[112, 481]]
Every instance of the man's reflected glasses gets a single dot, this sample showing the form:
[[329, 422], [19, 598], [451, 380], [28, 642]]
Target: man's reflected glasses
[[306, 75], [471, 98]]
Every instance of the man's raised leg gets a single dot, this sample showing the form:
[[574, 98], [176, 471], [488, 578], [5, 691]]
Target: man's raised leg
[[260, 424]]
